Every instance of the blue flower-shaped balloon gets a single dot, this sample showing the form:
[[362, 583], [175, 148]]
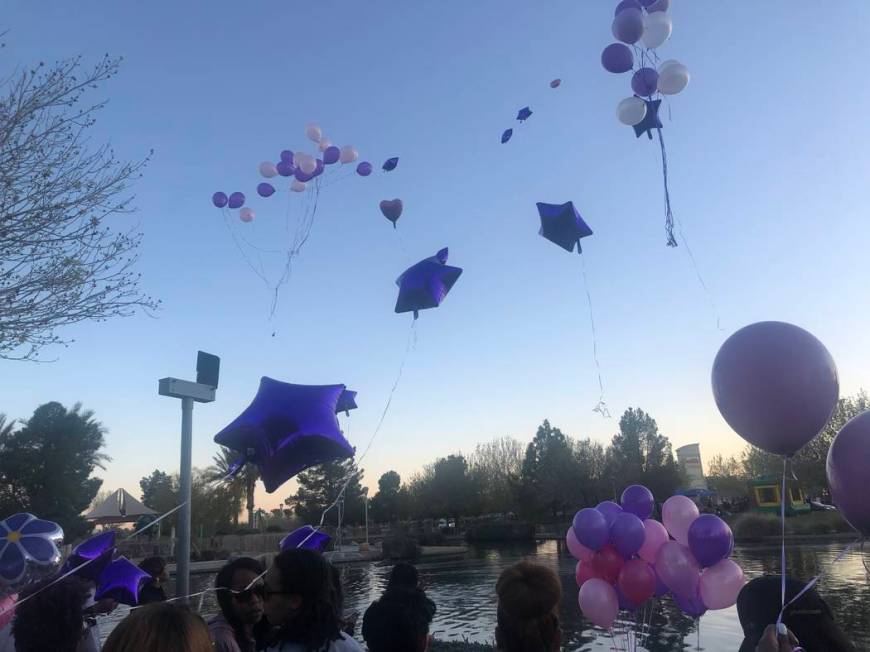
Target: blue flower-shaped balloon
[[28, 549], [121, 581], [305, 537], [95, 553]]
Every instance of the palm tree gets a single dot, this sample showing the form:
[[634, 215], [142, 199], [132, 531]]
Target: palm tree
[[241, 484]]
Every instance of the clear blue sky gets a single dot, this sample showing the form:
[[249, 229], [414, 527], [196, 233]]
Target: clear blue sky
[[769, 173]]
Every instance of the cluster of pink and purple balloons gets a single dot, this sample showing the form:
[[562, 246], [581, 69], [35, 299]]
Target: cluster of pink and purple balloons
[[301, 166], [626, 557], [644, 25]]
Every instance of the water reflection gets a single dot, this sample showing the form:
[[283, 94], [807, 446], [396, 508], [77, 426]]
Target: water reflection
[[464, 590]]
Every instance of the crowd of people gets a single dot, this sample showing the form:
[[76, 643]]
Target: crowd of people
[[297, 605]]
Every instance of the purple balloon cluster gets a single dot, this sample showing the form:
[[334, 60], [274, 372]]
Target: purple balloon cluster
[[625, 557]]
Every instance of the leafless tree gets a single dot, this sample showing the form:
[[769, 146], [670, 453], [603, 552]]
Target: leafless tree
[[62, 260]]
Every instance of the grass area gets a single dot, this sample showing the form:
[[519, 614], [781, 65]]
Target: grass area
[[754, 526]]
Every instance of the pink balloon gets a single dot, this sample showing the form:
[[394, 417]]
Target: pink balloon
[[655, 535], [584, 572], [721, 584], [599, 602], [7, 605], [637, 581], [678, 514], [677, 568], [577, 549]]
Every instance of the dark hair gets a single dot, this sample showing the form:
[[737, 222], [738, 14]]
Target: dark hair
[[225, 598], [318, 620], [158, 627], [403, 576], [398, 622], [528, 598], [53, 619], [153, 565]]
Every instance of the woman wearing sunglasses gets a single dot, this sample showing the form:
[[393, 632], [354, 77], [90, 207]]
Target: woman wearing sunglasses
[[240, 596], [302, 606]]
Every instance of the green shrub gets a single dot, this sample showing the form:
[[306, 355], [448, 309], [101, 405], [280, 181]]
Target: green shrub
[[754, 526]]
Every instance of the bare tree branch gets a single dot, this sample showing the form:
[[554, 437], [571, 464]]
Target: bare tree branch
[[60, 262]]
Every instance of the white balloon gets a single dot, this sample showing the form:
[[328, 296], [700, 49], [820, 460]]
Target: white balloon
[[268, 169], [325, 144], [246, 214], [667, 64], [657, 28], [297, 186], [312, 131], [308, 164], [631, 111], [673, 79], [348, 154]]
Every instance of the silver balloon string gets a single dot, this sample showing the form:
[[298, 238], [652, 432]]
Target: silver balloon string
[[410, 344], [669, 215], [601, 406]]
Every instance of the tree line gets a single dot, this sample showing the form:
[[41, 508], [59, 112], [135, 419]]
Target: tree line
[[546, 479]]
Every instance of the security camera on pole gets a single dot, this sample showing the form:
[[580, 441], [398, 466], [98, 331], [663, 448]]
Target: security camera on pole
[[201, 391]]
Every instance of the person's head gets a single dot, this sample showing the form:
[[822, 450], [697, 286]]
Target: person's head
[[809, 618], [158, 627], [399, 622], [528, 601], [156, 568], [240, 605], [53, 619], [403, 576], [301, 598]]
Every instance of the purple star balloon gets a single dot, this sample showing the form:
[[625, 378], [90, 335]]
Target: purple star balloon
[[305, 537], [524, 114], [650, 121], [28, 549], [121, 581], [425, 284], [96, 552], [287, 429], [561, 224], [346, 402]]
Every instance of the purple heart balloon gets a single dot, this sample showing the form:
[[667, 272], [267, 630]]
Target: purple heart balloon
[[645, 81], [392, 209]]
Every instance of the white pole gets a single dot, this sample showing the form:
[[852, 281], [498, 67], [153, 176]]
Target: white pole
[[182, 551]]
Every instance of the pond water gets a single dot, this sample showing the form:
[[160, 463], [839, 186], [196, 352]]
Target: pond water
[[464, 591]]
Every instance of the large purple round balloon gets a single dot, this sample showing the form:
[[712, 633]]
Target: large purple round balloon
[[591, 529], [285, 168], [331, 155], [776, 385], [265, 189], [638, 500], [237, 200], [645, 81], [710, 539], [626, 4], [302, 176], [287, 156], [848, 462], [219, 199], [617, 57], [610, 510], [627, 534], [364, 169], [628, 25]]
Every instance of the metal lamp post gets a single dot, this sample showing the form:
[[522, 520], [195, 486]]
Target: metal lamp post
[[201, 391]]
